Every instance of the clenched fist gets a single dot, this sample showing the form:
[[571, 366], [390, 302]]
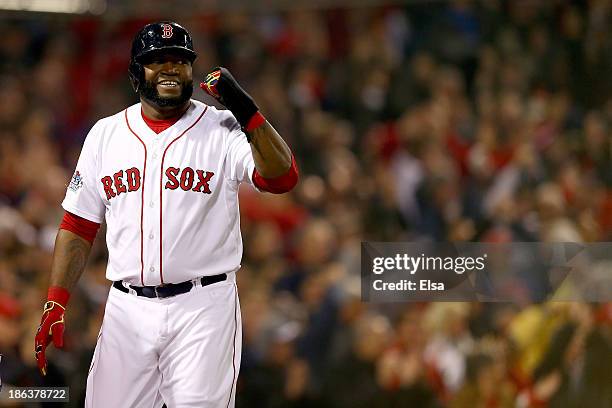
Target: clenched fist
[[222, 86]]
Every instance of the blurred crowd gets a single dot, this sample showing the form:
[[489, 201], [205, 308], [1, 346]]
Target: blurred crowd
[[484, 121]]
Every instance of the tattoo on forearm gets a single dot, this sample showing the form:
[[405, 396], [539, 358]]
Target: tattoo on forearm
[[75, 255]]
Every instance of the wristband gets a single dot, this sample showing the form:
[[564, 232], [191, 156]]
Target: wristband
[[256, 121], [58, 295]]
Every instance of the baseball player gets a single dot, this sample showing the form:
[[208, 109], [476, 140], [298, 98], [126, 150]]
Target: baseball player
[[164, 175]]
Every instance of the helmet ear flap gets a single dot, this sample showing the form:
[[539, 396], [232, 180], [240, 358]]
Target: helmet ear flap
[[136, 74]]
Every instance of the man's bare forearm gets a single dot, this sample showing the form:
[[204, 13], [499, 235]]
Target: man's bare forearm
[[69, 259], [271, 154]]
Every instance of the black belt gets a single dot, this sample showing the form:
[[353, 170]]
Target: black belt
[[168, 289]]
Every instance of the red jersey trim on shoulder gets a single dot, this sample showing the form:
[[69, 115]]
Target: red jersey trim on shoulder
[[80, 226], [161, 191], [280, 184], [144, 173]]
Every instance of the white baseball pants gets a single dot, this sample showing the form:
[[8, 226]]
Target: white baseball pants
[[183, 351]]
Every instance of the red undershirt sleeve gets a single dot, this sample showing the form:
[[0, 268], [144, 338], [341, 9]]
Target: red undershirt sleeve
[[280, 184], [83, 228]]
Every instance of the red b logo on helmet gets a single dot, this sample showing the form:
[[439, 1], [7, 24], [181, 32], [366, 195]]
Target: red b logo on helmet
[[167, 31]]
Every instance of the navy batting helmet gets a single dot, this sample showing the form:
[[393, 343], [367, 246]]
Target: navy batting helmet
[[165, 36]]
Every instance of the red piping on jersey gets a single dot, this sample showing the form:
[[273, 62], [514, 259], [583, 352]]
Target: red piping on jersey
[[161, 191], [144, 173]]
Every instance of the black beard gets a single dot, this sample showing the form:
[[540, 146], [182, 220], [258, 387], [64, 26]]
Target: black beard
[[149, 92]]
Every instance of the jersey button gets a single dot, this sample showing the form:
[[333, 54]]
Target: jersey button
[[150, 236], [155, 155], [151, 204], [152, 269]]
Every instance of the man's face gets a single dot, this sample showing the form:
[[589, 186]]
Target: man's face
[[168, 80]]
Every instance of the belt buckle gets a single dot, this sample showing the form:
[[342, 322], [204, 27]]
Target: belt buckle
[[162, 296], [155, 288]]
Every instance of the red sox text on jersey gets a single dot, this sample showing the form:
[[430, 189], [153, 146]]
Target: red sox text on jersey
[[187, 179]]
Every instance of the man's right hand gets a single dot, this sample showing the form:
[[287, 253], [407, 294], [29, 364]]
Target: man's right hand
[[51, 325]]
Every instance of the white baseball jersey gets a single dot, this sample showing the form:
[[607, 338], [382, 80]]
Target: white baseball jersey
[[170, 200]]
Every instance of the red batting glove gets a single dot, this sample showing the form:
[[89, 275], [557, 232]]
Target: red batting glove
[[51, 325]]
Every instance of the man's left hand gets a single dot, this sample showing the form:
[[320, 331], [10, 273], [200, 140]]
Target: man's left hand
[[222, 86]]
